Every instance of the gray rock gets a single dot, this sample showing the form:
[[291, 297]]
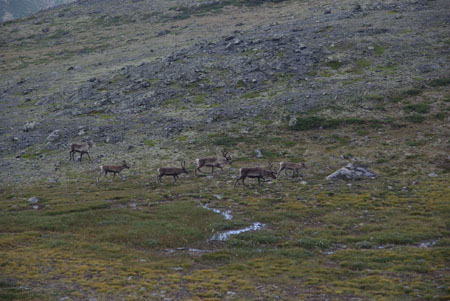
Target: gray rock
[[29, 126], [258, 153], [433, 175], [54, 136], [352, 172], [33, 200], [427, 68]]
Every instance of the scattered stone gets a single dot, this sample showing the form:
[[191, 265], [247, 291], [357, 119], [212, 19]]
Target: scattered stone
[[81, 132], [29, 126], [303, 182], [218, 196], [433, 175], [327, 11], [352, 171], [427, 68], [33, 200], [163, 32]]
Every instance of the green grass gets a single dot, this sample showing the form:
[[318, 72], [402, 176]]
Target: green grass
[[421, 108], [440, 82], [413, 92], [334, 64], [316, 122], [149, 142], [379, 50], [416, 118]]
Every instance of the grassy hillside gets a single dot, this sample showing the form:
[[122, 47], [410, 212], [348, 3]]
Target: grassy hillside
[[156, 82]]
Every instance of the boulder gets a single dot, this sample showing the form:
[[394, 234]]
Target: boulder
[[352, 172], [54, 136]]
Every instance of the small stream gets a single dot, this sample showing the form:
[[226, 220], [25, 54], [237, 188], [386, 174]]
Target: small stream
[[223, 236]]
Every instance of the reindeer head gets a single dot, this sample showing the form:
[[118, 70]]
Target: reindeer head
[[183, 167], [227, 157], [271, 172], [124, 164], [304, 165]]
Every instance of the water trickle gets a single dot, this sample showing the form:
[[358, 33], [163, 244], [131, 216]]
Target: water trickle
[[226, 214], [225, 235]]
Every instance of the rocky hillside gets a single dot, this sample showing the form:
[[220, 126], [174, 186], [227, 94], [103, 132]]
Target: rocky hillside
[[12, 9], [123, 75]]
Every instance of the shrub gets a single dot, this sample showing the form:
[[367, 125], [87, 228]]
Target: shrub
[[413, 92], [315, 122], [440, 82]]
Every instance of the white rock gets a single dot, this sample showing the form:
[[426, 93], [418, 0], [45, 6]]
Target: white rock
[[33, 200]]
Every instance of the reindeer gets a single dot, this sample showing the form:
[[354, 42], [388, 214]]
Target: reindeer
[[171, 171], [255, 172], [82, 148], [295, 167], [115, 169], [213, 162]]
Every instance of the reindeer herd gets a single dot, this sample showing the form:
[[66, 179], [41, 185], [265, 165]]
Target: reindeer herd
[[213, 162]]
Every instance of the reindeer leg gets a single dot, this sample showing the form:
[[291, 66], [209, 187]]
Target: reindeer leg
[[81, 156], [99, 175], [89, 157], [279, 171], [114, 175], [175, 179], [200, 169], [235, 183], [212, 170], [221, 169]]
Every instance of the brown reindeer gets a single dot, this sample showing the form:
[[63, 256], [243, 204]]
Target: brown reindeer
[[295, 167], [115, 169], [255, 172], [82, 148], [213, 162], [171, 171]]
